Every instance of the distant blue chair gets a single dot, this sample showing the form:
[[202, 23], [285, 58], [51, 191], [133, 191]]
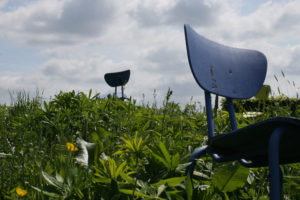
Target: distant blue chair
[[118, 79], [239, 74]]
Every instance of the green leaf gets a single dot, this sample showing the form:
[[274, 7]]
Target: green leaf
[[226, 196], [52, 181], [59, 178], [165, 152], [170, 181], [176, 194], [101, 179], [120, 169], [160, 189], [175, 160], [230, 177], [264, 198], [182, 166], [161, 159], [146, 126], [189, 187], [136, 193], [79, 193], [48, 193], [263, 93], [128, 143], [127, 178]]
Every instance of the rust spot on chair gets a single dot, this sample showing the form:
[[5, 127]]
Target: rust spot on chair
[[211, 69]]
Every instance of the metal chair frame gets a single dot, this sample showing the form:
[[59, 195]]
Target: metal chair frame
[[206, 58]]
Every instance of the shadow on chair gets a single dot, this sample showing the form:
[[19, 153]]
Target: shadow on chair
[[239, 74], [118, 79]]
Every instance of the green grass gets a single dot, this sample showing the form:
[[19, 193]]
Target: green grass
[[138, 152]]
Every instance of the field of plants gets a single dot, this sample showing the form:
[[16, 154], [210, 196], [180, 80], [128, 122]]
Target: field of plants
[[77, 146]]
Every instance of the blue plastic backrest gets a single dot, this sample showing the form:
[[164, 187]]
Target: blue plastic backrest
[[223, 70], [117, 78]]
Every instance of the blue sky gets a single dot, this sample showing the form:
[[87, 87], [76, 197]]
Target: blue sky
[[15, 57], [61, 45]]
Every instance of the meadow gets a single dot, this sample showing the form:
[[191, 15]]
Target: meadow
[[77, 146]]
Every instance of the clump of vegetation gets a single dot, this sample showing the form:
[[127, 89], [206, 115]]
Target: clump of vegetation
[[77, 146]]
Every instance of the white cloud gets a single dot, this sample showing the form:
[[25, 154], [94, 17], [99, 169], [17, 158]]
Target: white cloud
[[3, 3], [83, 40], [199, 13], [58, 22]]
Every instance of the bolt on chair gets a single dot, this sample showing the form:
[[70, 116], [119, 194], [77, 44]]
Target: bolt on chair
[[118, 79], [239, 74]]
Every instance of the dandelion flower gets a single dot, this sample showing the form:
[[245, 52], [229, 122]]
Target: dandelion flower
[[21, 192], [71, 147]]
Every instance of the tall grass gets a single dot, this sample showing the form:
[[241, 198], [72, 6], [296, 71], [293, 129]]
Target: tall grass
[[126, 151]]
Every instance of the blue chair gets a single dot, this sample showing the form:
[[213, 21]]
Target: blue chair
[[239, 74], [118, 79]]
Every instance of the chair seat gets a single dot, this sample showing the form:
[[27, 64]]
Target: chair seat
[[251, 142]]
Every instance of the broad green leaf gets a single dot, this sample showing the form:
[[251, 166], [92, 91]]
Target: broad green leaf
[[127, 178], [90, 93], [230, 177], [175, 160], [170, 181], [189, 187], [183, 166], [50, 194], [101, 179], [79, 193], [112, 167], [160, 189], [128, 143], [52, 181], [176, 194], [263, 93], [165, 152], [200, 174], [120, 169], [137, 193], [226, 196], [59, 178], [119, 152], [146, 126], [161, 159], [264, 198], [146, 188]]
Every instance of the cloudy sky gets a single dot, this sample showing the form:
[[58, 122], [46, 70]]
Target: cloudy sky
[[61, 45]]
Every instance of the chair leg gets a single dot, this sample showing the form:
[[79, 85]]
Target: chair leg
[[196, 154], [274, 167], [281, 183]]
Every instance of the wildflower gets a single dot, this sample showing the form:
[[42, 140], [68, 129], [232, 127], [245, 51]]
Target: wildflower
[[71, 147], [21, 192]]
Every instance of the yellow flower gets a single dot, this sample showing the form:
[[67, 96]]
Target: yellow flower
[[71, 147], [21, 192]]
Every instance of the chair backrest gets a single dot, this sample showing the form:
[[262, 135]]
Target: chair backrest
[[117, 78], [223, 70]]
